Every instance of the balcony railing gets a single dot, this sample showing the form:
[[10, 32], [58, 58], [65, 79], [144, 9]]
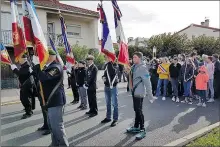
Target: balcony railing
[[8, 41]]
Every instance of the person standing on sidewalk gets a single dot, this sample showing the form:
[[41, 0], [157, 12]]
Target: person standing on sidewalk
[[141, 86], [174, 74], [90, 85], [202, 80], [211, 69], [51, 78], [74, 87], [26, 85], [216, 75], [81, 76], [110, 79]]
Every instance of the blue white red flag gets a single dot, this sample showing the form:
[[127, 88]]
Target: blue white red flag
[[69, 54], [39, 38], [4, 55], [123, 57], [57, 53], [106, 41]]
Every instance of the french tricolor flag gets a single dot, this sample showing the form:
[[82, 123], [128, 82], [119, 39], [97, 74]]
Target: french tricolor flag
[[123, 57], [106, 41], [39, 38]]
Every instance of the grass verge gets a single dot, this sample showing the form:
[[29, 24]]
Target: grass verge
[[210, 139]]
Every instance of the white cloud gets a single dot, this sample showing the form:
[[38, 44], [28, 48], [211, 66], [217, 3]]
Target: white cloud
[[147, 18]]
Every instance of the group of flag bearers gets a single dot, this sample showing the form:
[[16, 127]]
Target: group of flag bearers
[[45, 75]]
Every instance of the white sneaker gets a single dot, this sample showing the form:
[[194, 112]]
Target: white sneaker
[[155, 97], [210, 100], [199, 104], [163, 98], [203, 105], [173, 99], [177, 100], [190, 103]]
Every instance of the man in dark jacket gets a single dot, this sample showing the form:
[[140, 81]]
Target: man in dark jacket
[[26, 81], [216, 75], [90, 85], [174, 74], [73, 79], [110, 79], [51, 78]]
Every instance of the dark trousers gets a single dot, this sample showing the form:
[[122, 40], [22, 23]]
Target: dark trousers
[[120, 75], [69, 82], [139, 117], [202, 95], [26, 100], [44, 112], [92, 101], [75, 93], [217, 87], [33, 102], [154, 80]]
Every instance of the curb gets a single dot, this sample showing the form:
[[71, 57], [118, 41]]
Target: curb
[[187, 139], [18, 101]]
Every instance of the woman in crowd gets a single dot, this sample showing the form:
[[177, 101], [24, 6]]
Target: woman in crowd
[[186, 75], [210, 69], [174, 74], [74, 85], [163, 71], [154, 75]]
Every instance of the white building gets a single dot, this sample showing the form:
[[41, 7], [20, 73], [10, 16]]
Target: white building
[[139, 42], [198, 30], [82, 24]]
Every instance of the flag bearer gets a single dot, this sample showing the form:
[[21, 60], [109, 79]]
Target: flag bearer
[[26, 81], [51, 78]]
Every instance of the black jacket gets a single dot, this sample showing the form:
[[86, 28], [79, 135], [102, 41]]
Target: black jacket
[[113, 73], [24, 76], [174, 70], [91, 77], [49, 77], [81, 75], [186, 72], [73, 77], [153, 69], [217, 70]]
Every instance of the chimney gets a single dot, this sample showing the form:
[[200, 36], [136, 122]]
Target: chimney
[[206, 22], [202, 23], [130, 39]]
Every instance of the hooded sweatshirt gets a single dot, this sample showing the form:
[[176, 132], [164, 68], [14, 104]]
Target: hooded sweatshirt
[[202, 79]]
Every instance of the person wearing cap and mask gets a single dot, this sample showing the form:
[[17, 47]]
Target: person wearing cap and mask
[[26, 81], [90, 85], [51, 78]]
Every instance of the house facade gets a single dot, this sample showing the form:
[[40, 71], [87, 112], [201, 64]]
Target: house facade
[[198, 30], [139, 42], [81, 24]]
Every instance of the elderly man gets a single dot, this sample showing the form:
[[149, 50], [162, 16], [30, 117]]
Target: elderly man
[[51, 78], [90, 85], [26, 81]]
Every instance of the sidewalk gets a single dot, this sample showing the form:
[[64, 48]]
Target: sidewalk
[[10, 96]]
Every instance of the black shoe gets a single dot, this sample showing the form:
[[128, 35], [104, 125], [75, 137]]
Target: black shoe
[[42, 128], [114, 123], [26, 116], [106, 120], [79, 107], [88, 112], [93, 114], [46, 132], [84, 108]]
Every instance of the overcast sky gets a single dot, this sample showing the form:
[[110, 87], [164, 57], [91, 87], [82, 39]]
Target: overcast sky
[[147, 18]]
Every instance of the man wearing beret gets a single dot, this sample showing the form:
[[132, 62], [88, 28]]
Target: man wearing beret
[[51, 78], [26, 81], [90, 85]]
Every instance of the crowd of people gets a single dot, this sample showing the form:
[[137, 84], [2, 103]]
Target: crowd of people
[[182, 77]]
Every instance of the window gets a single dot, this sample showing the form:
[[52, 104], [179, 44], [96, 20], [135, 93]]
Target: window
[[6, 20], [73, 31]]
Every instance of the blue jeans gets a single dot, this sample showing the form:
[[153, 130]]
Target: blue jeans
[[187, 88], [175, 84], [211, 88], [56, 125], [159, 84], [111, 96]]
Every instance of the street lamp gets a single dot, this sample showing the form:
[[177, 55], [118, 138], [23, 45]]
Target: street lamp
[[154, 52]]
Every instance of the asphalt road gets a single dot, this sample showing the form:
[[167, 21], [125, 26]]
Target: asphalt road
[[165, 121]]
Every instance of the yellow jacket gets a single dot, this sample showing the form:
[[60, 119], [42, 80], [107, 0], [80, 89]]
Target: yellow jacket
[[163, 71]]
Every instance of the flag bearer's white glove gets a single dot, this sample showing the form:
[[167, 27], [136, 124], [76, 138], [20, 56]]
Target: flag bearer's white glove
[[35, 60], [85, 86], [13, 66]]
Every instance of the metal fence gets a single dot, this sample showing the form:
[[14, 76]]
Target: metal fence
[[8, 79]]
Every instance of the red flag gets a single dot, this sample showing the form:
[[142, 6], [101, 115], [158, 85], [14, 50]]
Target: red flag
[[4, 55], [29, 36], [17, 33]]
